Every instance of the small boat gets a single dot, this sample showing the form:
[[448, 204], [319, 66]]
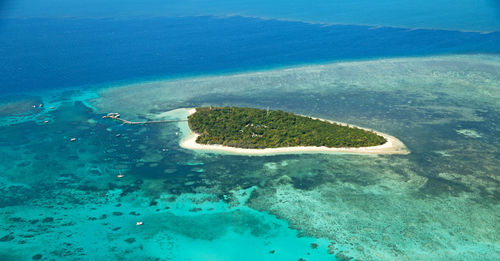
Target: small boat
[[120, 176], [72, 139], [138, 223], [113, 115]]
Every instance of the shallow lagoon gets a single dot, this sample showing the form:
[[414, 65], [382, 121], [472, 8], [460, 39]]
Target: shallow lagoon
[[439, 202]]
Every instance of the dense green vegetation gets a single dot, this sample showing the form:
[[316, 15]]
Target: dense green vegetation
[[257, 128]]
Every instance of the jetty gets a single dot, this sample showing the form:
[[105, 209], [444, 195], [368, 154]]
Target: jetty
[[116, 116]]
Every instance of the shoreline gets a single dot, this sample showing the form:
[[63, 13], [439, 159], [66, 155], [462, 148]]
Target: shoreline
[[392, 146]]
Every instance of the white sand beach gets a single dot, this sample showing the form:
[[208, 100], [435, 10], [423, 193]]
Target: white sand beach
[[392, 146]]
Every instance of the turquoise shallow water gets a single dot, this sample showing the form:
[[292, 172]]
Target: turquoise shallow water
[[63, 199]]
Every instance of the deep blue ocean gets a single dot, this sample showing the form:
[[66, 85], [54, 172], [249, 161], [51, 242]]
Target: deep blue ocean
[[53, 53], [458, 15]]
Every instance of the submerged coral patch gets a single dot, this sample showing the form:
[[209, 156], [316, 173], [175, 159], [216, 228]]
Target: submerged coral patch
[[85, 199], [469, 133]]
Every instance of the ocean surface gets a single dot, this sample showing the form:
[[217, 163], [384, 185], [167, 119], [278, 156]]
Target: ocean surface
[[460, 15], [74, 185], [57, 53]]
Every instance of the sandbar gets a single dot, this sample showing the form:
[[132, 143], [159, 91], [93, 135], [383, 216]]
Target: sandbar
[[392, 146]]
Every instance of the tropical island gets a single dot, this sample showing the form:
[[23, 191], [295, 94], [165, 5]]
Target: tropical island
[[260, 132]]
